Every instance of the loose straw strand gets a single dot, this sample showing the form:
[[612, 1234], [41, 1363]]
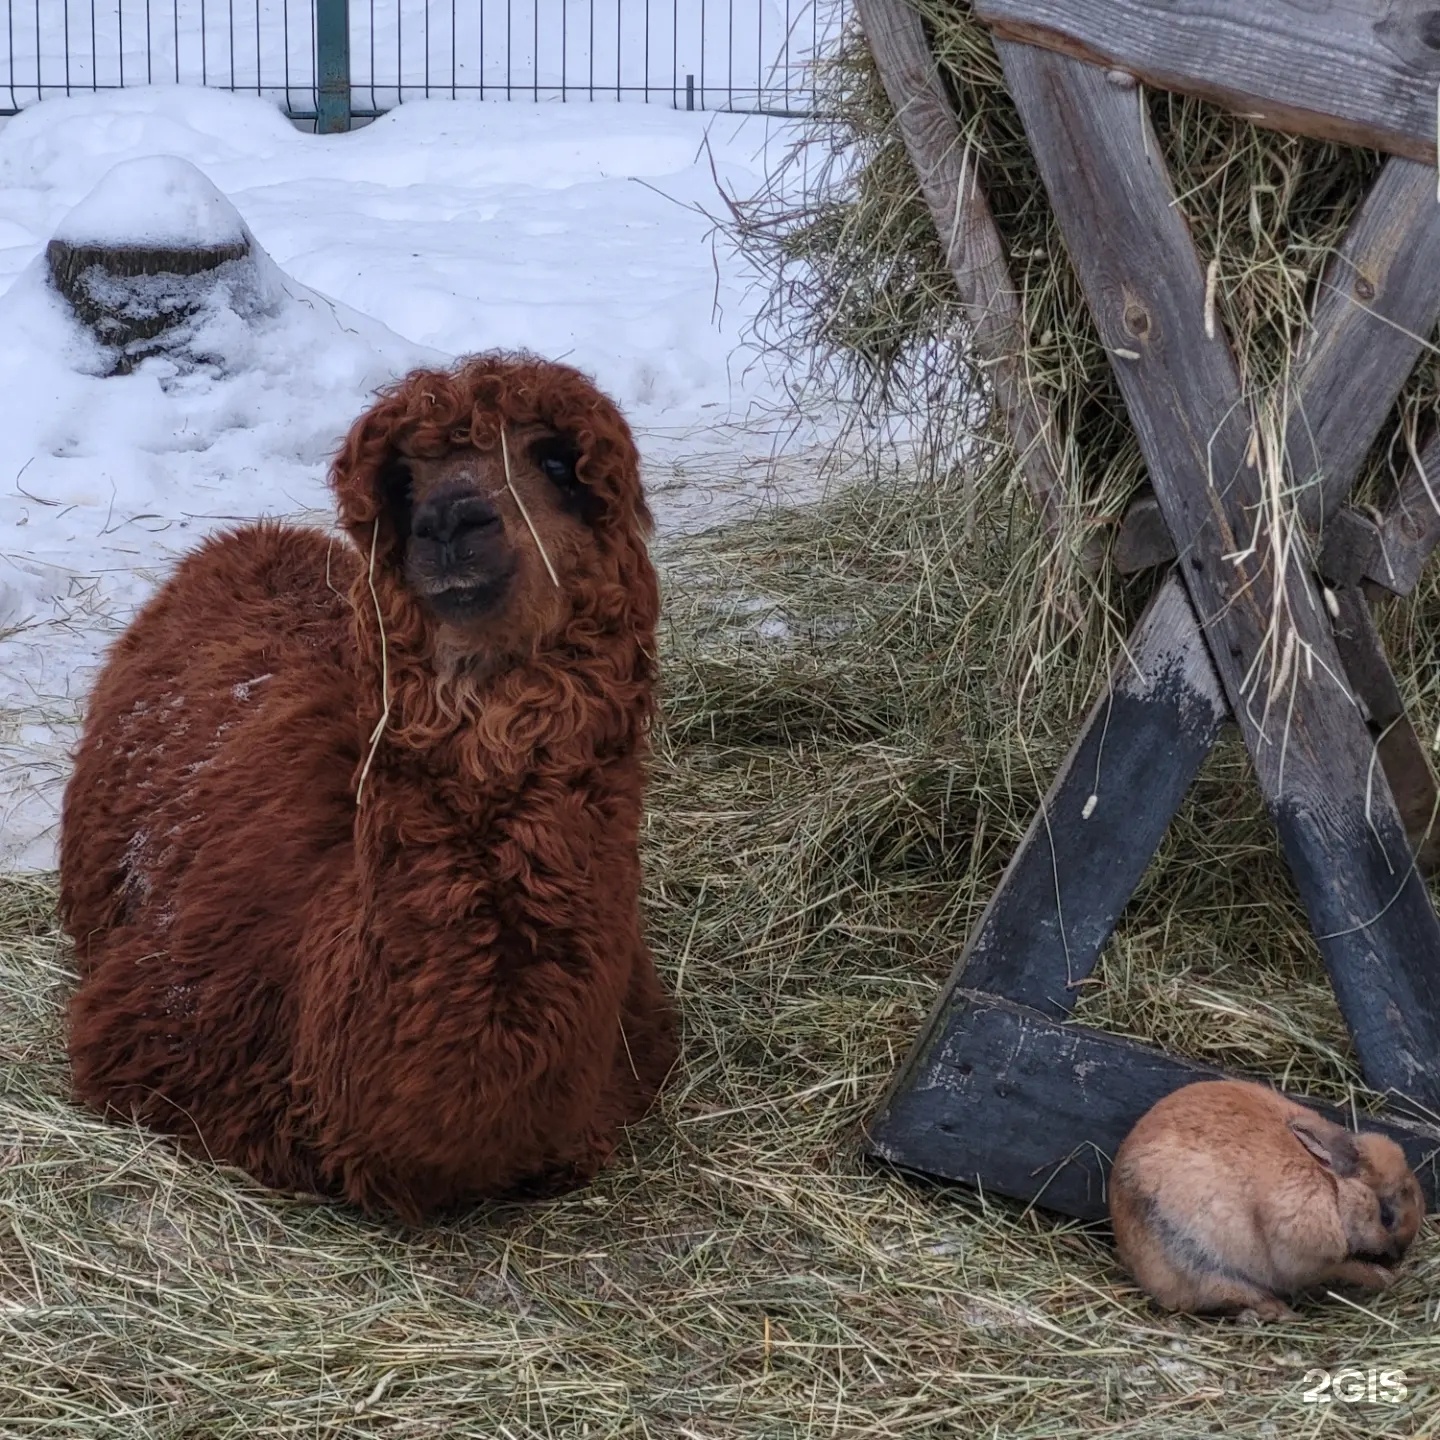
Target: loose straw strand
[[384, 668], [524, 513]]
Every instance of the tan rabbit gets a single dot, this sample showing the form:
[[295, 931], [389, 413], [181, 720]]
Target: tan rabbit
[[1227, 1196]]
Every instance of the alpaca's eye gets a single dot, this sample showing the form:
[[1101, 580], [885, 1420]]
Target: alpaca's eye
[[556, 461], [557, 457]]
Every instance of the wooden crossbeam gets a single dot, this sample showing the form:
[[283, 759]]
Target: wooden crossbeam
[[1361, 71], [1035, 1107], [1264, 620]]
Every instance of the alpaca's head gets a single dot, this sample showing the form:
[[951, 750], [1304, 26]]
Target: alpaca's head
[[501, 501]]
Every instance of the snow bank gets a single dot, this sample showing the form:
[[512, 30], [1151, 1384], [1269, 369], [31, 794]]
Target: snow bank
[[443, 228]]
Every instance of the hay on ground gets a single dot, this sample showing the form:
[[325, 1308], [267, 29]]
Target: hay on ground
[[844, 770]]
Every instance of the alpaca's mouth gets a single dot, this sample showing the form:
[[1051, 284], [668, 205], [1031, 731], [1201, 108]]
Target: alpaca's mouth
[[461, 602]]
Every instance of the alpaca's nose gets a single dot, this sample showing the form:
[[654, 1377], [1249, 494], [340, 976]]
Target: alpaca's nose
[[446, 516]]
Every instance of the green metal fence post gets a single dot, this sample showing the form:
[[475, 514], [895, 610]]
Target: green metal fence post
[[332, 66]]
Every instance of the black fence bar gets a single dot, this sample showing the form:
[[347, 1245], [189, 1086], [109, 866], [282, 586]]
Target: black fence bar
[[752, 56]]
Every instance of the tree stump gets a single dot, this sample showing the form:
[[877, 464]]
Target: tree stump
[[132, 297], [148, 253]]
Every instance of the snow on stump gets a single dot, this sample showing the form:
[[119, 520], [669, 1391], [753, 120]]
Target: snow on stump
[[149, 253]]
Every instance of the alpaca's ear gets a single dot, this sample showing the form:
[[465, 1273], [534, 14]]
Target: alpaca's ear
[[371, 482]]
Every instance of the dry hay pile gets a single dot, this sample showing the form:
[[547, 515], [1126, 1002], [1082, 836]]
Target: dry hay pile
[[845, 767], [860, 294]]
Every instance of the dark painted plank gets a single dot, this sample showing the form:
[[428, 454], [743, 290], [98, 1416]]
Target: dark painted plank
[[949, 180], [1035, 1108], [1361, 71], [1104, 816], [1338, 823]]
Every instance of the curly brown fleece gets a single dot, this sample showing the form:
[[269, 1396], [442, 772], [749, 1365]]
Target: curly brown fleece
[[437, 995]]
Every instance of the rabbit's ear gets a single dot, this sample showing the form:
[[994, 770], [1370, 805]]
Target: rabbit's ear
[[1333, 1147]]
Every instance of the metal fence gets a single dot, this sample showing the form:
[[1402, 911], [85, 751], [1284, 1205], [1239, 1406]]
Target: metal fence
[[331, 59]]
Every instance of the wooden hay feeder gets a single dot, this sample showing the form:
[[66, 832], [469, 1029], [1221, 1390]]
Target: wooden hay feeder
[[1001, 1090]]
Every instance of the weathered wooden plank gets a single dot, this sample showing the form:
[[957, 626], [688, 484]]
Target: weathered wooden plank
[[1144, 539], [949, 180], [1104, 816], [1411, 528], [1376, 310], [1377, 305], [1035, 1108], [1398, 749], [1361, 71], [1350, 548], [1268, 633]]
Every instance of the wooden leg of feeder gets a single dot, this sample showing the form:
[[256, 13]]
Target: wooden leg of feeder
[[949, 180], [1398, 749], [1104, 816]]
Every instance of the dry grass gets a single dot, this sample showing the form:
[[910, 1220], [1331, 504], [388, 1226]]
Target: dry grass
[[846, 765]]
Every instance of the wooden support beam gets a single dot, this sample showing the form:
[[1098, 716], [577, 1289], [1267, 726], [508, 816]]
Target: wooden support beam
[[949, 180], [1350, 548], [1398, 749], [1144, 539], [1376, 311], [1104, 816], [1268, 633], [1365, 72], [1035, 1108]]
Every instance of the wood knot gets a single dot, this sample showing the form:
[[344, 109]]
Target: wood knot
[[1364, 289], [1137, 320], [1411, 526], [1428, 28]]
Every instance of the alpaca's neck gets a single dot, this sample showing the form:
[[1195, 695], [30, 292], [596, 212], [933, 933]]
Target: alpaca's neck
[[478, 742]]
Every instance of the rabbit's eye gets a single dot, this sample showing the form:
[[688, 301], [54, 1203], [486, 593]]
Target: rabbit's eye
[[1387, 1214]]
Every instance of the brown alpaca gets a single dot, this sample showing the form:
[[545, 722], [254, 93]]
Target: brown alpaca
[[407, 969]]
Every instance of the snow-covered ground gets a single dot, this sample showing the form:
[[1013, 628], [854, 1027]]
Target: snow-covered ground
[[442, 228]]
